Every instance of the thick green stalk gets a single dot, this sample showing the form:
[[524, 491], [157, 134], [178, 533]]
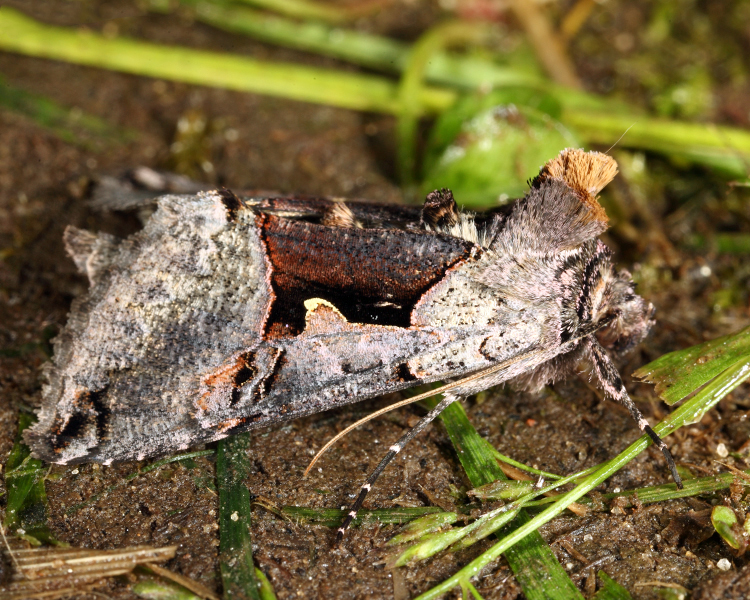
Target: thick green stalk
[[235, 544], [24, 35]]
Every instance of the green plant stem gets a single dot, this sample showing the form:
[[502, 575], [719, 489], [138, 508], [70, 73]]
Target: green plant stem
[[24, 35], [367, 50], [692, 410], [453, 32], [306, 9], [725, 149], [235, 544]]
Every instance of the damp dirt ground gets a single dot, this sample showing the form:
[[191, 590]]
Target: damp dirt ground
[[257, 142]]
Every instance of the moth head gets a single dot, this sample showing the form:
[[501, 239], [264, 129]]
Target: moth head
[[630, 316]]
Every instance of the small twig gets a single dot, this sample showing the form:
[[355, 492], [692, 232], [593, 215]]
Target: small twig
[[548, 45], [575, 18]]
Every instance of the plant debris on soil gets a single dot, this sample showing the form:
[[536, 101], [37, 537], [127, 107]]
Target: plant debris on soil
[[665, 226]]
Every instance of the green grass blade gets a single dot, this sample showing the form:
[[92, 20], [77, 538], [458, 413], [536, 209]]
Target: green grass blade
[[265, 590], [726, 524], [537, 569], [410, 88], [611, 590], [679, 373], [667, 491], [160, 589], [332, 517], [422, 526], [692, 409], [235, 544], [724, 149]]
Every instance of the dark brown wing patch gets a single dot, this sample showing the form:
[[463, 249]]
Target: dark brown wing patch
[[372, 276]]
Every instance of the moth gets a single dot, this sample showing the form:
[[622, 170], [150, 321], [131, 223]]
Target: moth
[[228, 313]]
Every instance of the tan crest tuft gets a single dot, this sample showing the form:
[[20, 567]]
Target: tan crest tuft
[[586, 172]]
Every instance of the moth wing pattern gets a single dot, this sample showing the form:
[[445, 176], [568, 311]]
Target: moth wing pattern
[[177, 298], [226, 314]]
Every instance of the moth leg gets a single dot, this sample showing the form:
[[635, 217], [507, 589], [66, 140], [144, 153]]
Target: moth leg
[[611, 382], [392, 452]]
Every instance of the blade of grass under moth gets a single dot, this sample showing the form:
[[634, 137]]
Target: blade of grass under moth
[[423, 526], [235, 544], [26, 507], [523, 467], [679, 373], [537, 569], [611, 590], [463, 537], [332, 517], [22, 34], [693, 408]]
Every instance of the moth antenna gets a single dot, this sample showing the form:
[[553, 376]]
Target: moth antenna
[[440, 390], [611, 382], [624, 133], [392, 452]]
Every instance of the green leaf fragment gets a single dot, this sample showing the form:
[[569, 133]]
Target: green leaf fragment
[[265, 590], [680, 373], [430, 545], [26, 507], [502, 490], [422, 526], [611, 590], [160, 589], [485, 526], [725, 522]]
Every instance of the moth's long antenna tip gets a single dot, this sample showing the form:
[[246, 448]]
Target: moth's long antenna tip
[[659, 443]]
